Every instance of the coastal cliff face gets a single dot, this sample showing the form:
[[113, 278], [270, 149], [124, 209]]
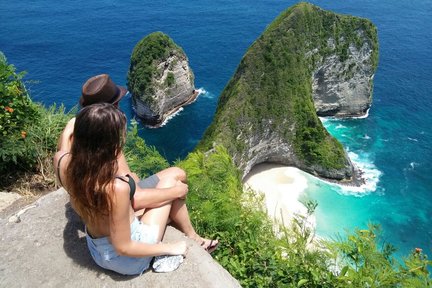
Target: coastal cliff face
[[267, 111], [343, 87], [159, 79]]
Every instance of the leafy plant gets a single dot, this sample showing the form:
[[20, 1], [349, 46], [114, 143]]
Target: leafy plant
[[170, 80], [363, 264], [142, 159], [42, 137], [16, 108], [17, 113], [29, 132], [250, 248]]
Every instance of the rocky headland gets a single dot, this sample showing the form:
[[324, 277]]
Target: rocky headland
[[307, 61], [159, 79]]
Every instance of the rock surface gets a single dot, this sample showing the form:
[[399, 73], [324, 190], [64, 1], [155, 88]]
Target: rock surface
[[44, 245], [344, 88], [160, 82], [7, 198]]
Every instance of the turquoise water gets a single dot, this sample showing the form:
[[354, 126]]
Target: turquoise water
[[62, 43]]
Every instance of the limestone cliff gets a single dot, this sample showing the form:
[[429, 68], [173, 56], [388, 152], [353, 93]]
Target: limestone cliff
[[342, 83], [159, 79], [266, 113]]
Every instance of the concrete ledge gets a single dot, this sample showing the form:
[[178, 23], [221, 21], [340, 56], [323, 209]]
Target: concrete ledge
[[43, 245]]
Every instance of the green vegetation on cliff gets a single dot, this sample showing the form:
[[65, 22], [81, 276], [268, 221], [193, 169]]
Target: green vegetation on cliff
[[272, 88], [29, 132], [146, 55]]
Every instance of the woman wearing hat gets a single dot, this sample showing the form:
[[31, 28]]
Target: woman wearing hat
[[118, 240], [101, 89]]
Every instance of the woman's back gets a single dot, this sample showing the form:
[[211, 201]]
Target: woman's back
[[87, 165], [100, 227]]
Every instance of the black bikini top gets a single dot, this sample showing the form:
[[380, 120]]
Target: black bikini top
[[131, 183]]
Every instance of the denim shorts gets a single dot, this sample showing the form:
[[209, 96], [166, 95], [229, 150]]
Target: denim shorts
[[149, 182], [104, 254]]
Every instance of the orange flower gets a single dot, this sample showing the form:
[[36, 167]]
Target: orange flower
[[9, 109], [418, 250], [23, 134]]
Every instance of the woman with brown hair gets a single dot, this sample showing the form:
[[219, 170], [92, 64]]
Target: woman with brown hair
[[117, 238]]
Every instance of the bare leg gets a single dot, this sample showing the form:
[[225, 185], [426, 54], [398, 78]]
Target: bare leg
[[159, 215], [180, 218], [173, 173], [177, 212]]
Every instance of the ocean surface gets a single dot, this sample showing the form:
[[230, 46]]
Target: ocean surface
[[62, 43]]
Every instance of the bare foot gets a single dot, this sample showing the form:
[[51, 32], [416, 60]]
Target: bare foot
[[207, 244]]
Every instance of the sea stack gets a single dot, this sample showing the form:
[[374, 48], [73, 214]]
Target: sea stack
[[268, 110], [159, 79]]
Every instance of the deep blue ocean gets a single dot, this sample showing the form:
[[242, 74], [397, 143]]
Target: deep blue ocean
[[62, 43]]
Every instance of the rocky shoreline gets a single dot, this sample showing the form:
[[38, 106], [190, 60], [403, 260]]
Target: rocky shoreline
[[173, 111]]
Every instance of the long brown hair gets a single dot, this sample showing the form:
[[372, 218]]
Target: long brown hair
[[98, 138]]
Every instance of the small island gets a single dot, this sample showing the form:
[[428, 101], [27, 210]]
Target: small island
[[307, 61], [159, 79]]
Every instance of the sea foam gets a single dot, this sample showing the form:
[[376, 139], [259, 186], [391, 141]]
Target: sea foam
[[204, 93], [370, 173], [171, 117], [413, 165]]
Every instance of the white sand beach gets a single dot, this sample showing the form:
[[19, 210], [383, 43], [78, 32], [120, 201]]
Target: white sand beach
[[282, 187]]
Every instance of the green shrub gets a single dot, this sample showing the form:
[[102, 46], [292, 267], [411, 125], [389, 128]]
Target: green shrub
[[29, 132], [17, 113], [364, 264], [170, 80], [16, 108], [42, 137], [34, 152], [142, 159]]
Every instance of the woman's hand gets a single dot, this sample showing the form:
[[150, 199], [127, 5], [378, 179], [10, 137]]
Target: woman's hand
[[182, 188], [178, 248]]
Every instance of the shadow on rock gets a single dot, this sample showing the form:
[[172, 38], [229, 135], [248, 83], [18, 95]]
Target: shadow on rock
[[75, 246]]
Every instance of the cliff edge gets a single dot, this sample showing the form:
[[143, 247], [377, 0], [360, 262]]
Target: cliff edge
[[43, 245]]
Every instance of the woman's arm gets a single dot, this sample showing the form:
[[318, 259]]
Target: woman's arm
[[120, 229], [157, 197], [151, 197], [65, 141]]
